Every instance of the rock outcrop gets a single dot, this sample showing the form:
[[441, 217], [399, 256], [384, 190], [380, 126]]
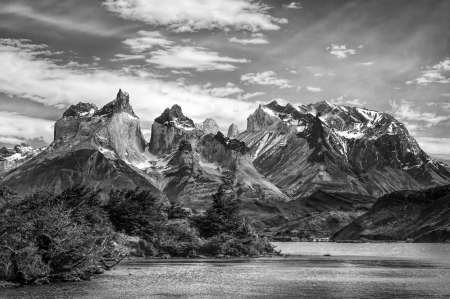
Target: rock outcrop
[[169, 129], [233, 131], [215, 159], [13, 157], [334, 148], [418, 216], [209, 126], [103, 149], [81, 109], [187, 182]]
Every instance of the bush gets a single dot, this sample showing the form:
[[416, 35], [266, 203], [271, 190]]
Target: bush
[[47, 233], [225, 232], [164, 228]]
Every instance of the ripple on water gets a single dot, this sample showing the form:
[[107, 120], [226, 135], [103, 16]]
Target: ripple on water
[[293, 277]]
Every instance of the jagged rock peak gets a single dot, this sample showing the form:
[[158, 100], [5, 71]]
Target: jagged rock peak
[[175, 117], [185, 146], [209, 126], [233, 131], [81, 109], [232, 144], [120, 105]]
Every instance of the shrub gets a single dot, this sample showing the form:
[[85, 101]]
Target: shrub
[[46, 233]]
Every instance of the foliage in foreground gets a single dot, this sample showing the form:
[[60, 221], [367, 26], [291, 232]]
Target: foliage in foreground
[[46, 233]]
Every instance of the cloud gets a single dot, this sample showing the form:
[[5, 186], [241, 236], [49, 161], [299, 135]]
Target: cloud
[[257, 38], [445, 106], [223, 92], [434, 74], [16, 128], [435, 147], [341, 51], [354, 102], [176, 72], [175, 56], [265, 78], [292, 5], [318, 75], [194, 15], [313, 89], [407, 112], [41, 80], [245, 97], [87, 26], [365, 63], [197, 58], [147, 41], [293, 72], [124, 57]]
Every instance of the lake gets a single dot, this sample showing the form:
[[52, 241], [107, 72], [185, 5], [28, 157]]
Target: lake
[[384, 270]]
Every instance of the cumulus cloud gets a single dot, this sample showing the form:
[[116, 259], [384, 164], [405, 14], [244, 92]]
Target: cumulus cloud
[[146, 41], [266, 78], [434, 74], [177, 72], [229, 90], [257, 38], [341, 51], [194, 15], [293, 72], [27, 76], [170, 55], [313, 89], [407, 112], [353, 102], [16, 128], [292, 5], [247, 96], [124, 57], [197, 58], [365, 63]]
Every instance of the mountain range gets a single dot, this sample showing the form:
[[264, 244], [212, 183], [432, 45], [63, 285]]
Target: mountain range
[[289, 160]]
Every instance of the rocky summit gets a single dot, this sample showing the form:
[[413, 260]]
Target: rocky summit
[[233, 131], [191, 163], [334, 148], [97, 148], [209, 126]]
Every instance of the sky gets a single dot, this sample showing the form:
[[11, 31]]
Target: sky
[[222, 58]]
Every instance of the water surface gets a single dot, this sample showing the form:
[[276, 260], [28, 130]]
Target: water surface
[[352, 271]]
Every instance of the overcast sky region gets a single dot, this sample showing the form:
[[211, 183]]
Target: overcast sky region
[[221, 58]]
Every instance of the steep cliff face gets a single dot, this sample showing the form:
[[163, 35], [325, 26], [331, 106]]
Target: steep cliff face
[[187, 182], [170, 129], [233, 156], [209, 126], [11, 158], [233, 131], [215, 159], [260, 119], [100, 148], [337, 149], [419, 216]]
